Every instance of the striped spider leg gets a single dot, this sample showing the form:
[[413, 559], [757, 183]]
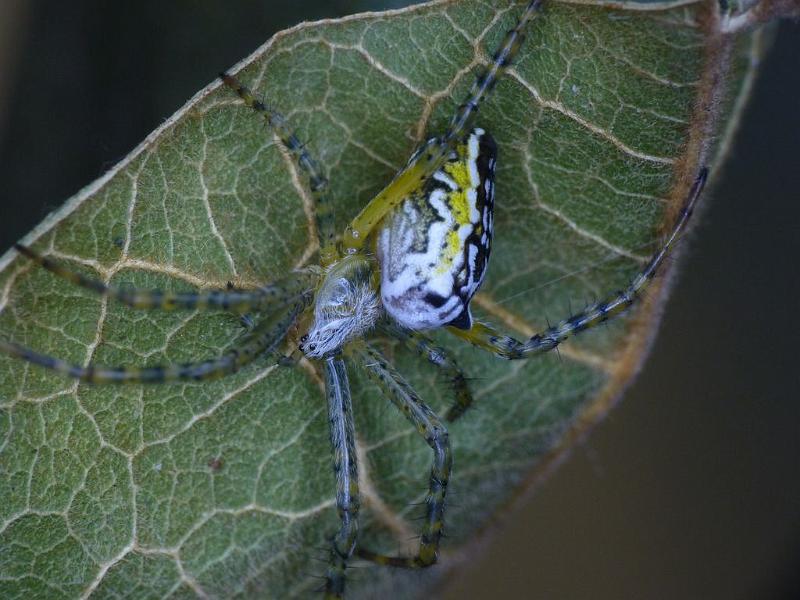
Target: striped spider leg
[[438, 356], [486, 337], [317, 181], [433, 431], [282, 301]]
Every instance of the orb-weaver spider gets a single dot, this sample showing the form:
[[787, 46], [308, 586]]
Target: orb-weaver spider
[[346, 305]]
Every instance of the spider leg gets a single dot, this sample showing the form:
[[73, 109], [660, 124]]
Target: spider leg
[[425, 162], [437, 355], [485, 82], [318, 183], [486, 337], [263, 338], [236, 301], [430, 427], [345, 466]]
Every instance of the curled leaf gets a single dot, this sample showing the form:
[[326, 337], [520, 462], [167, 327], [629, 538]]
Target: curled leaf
[[224, 488]]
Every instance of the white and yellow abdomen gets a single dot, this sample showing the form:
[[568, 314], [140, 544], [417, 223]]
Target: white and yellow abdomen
[[434, 247]]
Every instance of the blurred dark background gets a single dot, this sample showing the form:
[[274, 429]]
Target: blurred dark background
[[690, 488]]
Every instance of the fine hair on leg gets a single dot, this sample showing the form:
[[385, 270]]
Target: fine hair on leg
[[433, 431], [345, 467], [438, 356]]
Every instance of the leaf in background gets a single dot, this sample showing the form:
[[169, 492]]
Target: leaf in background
[[225, 488]]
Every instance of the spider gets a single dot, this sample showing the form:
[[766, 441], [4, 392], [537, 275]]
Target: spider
[[408, 263]]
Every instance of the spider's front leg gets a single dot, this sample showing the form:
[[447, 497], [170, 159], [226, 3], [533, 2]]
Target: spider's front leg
[[345, 466], [430, 427], [263, 338], [486, 337], [278, 293]]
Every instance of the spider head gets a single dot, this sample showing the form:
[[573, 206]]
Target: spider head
[[346, 306]]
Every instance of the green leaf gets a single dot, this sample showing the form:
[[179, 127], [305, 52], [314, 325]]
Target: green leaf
[[225, 488]]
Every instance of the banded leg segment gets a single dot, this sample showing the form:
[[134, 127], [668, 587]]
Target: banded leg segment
[[317, 182], [485, 82], [264, 338], [507, 347], [428, 159], [275, 294], [437, 355], [345, 466], [433, 430]]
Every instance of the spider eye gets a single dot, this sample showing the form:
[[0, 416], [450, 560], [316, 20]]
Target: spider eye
[[304, 338]]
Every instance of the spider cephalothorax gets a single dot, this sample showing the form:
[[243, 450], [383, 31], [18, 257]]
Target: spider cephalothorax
[[346, 306], [411, 260]]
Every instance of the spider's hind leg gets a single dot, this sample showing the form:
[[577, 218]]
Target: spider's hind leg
[[486, 337], [318, 182], [437, 355], [430, 427]]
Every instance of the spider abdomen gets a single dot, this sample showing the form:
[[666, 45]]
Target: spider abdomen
[[434, 247]]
